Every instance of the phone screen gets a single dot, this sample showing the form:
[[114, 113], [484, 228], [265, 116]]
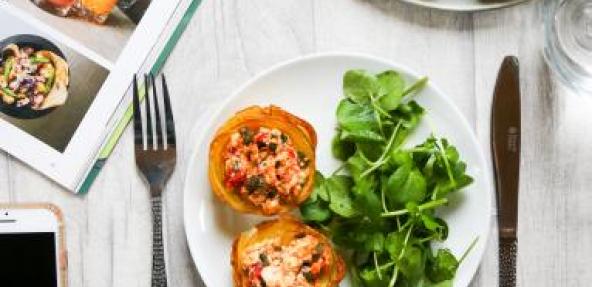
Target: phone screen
[[28, 259]]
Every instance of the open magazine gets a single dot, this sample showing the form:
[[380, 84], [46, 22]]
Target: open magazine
[[65, 73]]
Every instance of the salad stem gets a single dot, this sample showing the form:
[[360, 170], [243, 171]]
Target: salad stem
[[376, 266], [427, 205], [394, 278], [416, 86], [468, 250], [445, 159], [382, 159]]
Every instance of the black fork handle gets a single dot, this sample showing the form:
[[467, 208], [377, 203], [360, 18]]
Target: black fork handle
[[159, 277]]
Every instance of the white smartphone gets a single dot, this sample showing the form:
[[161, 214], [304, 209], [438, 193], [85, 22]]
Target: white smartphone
[[32, 252]]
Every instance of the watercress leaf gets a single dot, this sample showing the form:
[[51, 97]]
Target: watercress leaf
[[412, 207], [365, 185], [429, 222], [416, 87], [370, 278], [362, 136], [437, 227], [391, 87], [352, 233], [394, 243], [409, 113], [412, 265], [359, 86], [400, 157], [442, 188], [358, 123], [442, 267], [317, 211], [374, 242], [339, 182], [463, 181], [446, 283], [451, 152], [354, 274], [339, 193], [320, 186], [342, 149], [428, 168], [342, 233], [406, 184], [356, 165], [369, 204], [371, 151]]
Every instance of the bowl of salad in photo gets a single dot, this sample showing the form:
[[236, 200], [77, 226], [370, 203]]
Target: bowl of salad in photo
[[34, 76]]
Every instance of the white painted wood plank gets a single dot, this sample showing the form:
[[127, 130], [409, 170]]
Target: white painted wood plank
[[554, 225], [229, 41]]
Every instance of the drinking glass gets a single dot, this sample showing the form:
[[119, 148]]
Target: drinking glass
[[568, 42]]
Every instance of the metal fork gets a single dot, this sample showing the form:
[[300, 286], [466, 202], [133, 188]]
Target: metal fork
[[156, 161]]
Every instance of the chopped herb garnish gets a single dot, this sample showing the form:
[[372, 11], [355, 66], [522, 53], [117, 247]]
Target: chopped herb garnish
[[284, 138], [247, 135], [273, 147], [272, 192], [308, 276], [254, 182], [302, 159], [264, 259]]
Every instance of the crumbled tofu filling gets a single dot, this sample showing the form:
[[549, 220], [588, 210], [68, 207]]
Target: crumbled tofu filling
[[298, 264], [264, 167]]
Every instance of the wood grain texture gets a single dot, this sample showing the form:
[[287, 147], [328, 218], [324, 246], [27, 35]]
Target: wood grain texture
[[230, 41]]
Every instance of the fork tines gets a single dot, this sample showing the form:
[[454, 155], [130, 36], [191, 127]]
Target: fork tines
[[165, 138]]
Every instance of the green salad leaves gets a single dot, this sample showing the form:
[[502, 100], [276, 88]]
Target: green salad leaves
[[379, 207]]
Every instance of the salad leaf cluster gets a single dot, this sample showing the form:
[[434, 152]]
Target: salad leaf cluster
[[380, 205]]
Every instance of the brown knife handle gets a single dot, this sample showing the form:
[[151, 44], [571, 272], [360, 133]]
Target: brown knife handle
[[507, 262]]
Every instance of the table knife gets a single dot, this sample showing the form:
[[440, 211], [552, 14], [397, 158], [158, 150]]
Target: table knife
[[505, 146]]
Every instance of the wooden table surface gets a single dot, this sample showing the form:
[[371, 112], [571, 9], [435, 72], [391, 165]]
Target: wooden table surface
[[227, 42]]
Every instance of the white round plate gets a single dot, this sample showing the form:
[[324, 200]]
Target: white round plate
[[465, 5], [310, 87]]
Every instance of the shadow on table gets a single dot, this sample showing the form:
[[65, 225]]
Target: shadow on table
[[197, 277]]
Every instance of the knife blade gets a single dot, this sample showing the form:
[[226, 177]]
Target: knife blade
[[505, 146]]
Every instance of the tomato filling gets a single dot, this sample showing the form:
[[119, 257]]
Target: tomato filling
[[300, 263], [264, 167]]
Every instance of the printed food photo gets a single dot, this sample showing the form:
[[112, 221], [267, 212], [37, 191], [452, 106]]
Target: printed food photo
[[31, 77], [46, 87], [92, 10], [104, 26]]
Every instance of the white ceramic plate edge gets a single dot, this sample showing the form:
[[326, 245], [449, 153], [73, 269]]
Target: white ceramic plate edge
[[463, 8]]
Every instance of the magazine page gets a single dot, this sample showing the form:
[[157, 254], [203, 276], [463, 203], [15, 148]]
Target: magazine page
[[152, 64], [65, 67]]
